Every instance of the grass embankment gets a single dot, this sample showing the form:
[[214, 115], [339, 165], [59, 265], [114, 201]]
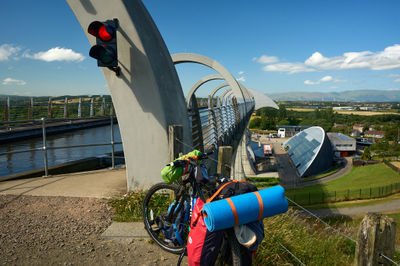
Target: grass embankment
[[371, 181], [128, 208], [329, 172], [305, 237], [263, 182]]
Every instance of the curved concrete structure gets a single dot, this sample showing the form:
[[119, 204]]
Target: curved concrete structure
[[200, 59], [262, 100], [211, 96], [143, 93], [198, 84]]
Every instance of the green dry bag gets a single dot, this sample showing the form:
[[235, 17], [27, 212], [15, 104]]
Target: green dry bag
[[172, 173]]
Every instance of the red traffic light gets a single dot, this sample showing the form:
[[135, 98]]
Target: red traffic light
[[101, 30]]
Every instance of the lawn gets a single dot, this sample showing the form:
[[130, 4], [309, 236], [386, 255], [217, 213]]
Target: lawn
[[376, 175], [371, 181]]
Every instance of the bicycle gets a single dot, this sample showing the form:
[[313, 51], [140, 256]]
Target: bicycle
[[167, 210]]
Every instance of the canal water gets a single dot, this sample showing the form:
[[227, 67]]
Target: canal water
[[21, 162]]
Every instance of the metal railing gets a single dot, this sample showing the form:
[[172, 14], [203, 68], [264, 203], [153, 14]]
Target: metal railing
[[219, 124], [45, 147]]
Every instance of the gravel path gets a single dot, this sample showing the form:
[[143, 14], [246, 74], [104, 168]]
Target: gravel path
[[38, 230]]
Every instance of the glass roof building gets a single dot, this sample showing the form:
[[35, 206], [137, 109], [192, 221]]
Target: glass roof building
[[310, 151]]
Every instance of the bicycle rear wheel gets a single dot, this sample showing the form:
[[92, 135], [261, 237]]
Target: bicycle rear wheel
[[156, 206], [230, 252]]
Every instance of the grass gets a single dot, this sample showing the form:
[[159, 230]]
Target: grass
[[306, 238], [310, 240], [262, 182], [329, 172], [359, 177], [128, 208], [371, 181]]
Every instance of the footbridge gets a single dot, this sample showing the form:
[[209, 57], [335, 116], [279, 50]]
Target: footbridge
[[156, 120]]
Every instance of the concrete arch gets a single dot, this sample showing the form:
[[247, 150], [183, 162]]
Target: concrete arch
[[198, 84], [223, 85], [206, 61], [225, 94], [143, 93]]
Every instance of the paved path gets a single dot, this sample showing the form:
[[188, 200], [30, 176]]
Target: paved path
[[390, 206], [106, 183], [343, 171]]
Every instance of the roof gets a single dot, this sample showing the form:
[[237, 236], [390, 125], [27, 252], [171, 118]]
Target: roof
[[304, 147], [333, 135]]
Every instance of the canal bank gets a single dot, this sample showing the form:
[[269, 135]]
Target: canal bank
[[33, 129]]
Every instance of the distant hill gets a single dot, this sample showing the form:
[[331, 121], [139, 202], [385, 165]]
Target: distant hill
[[345, 96]]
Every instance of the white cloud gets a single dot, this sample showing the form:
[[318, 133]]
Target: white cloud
[[57, 54], [242, 79], [397, 80], [265, 59], [387, 59], [241, 72], [324, 79], [11, 81], [7, 50], [291, 68]]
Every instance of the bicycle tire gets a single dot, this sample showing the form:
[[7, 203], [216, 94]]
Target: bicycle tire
[[230, 251], [155, 204]]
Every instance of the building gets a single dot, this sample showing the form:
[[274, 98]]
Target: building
[[290, 131], [342, 145], [358, 127], [349, 108], [310, 151], [378, 134]]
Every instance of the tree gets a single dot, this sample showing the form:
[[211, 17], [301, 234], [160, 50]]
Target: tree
[[366, 154]]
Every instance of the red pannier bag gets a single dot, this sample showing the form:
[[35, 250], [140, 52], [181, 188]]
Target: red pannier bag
[[202, 245]]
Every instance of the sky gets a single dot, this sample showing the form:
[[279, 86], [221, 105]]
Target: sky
[[270, 46]]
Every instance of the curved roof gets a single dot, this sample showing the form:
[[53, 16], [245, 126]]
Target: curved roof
[[304, 147]]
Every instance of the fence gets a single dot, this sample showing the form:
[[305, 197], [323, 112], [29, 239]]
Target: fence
[[12, 109], [395, 168], [316, 197], [45, 147]]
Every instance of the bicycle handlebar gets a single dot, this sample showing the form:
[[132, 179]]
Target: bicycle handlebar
[[183, 162]]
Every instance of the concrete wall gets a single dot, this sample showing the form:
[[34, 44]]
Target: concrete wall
[[147, 96]]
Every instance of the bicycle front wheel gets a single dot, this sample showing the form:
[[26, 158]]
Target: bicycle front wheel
[[169, 235]]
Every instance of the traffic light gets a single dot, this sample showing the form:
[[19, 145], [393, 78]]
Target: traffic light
[[105, 50]]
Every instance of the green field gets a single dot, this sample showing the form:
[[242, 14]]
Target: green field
[[371, 181]]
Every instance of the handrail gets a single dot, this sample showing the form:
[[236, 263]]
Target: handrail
[[44, 148]]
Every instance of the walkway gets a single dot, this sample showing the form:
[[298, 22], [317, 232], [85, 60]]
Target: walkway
[[390, 206], [343, 171], [106, 183]]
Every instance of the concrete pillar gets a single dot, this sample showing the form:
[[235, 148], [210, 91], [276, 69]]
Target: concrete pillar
[[91, 107], [30, 109], [49, 108], [66, 107], [147, 95], [80, 108]]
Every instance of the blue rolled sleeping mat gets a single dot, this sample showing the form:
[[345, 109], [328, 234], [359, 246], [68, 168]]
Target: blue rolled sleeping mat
[[220, 214]]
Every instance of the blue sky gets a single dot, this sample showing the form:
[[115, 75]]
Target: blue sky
[[271, 46]]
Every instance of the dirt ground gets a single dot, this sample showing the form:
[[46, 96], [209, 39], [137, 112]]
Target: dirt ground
[[36, 230]]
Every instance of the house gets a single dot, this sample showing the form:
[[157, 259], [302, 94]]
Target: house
[[359, 127], [374, 134]]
